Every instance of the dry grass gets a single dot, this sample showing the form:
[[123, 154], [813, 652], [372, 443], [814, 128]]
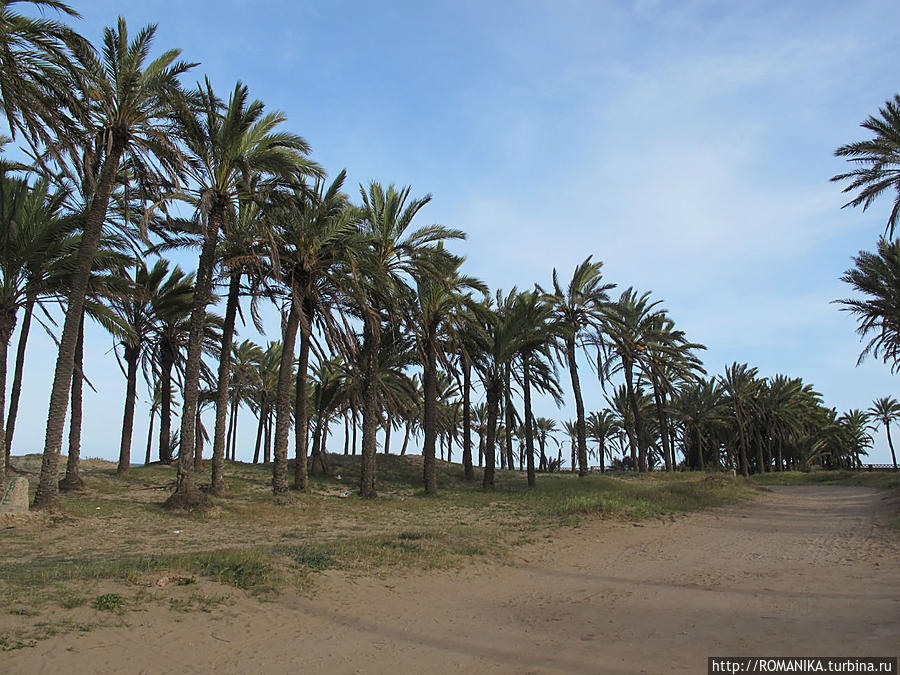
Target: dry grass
[[115, 539]]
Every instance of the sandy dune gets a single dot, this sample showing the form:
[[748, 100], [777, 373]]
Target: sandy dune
[[803, 571]]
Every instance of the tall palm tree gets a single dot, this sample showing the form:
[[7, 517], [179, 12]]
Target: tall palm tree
[[245, 249], [877, 277], [155, 293], [390, 256], [316, 232], [129, 113], [878, 159], [229, 147], [885, 410], [440, 292], [36, 247], [741, 387], [631, 325], [578, 309]]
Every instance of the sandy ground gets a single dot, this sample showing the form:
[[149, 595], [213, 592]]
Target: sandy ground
[[803, 571]]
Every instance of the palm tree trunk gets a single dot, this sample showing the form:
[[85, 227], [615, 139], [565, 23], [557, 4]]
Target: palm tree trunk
[[353, 424], [493, 403], [891, 444], [131, 360], [370, 412], [47, 495], [405, 439], [529, 430], [316, 445], [347, 434], [429, 389], [387, 436], [509, 413], [699, 447], [198, 441], [259, 433], [663, 426], [267, 443], [150, 434], [186, 494], [636, 419], [7, 326], [217, 486], [16, 390], [232, 422], [467, 419], [72, 480], [283, 401], [167, 359], [301, 411], [580, 426]]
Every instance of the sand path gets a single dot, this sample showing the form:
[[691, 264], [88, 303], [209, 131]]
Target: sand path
[[803, 571]]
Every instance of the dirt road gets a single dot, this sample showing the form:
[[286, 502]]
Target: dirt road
[[803, 571]]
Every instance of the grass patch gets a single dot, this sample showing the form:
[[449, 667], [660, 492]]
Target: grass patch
[[109, 602]]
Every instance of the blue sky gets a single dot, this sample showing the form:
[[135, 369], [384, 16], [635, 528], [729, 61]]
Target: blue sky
[[687, 145]]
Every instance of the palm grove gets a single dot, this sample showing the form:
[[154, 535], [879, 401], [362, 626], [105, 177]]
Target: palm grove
[[381, 329]]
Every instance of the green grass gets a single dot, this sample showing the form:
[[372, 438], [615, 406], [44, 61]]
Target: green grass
[[109, 602]]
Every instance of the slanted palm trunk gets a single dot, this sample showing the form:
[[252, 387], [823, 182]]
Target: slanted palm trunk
[[150, 434], [405, 440], [891, 444], [493, 403], [7, 326], [131, 361], [16, 390], [301, 408], [370, 413], [186, 494], [699, 448], [429, 387], [218, 459], [283, 401], [72, 480], [580, 426], [529, 430], [259, 430], [47, 495], [467, 419]]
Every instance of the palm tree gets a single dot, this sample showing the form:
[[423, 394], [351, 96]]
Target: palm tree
[[602, 427], [316, 232], [37, 246], [877, 277], [440, 292], [155, 294], [229, 146], [741, 388], [390, 256], [632, 327], [129, 112], [700, 407], [34, 68], [884, 411], [878, 159], [577, 309]]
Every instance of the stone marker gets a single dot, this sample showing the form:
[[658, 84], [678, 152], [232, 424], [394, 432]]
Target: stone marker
[[15, 499]]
